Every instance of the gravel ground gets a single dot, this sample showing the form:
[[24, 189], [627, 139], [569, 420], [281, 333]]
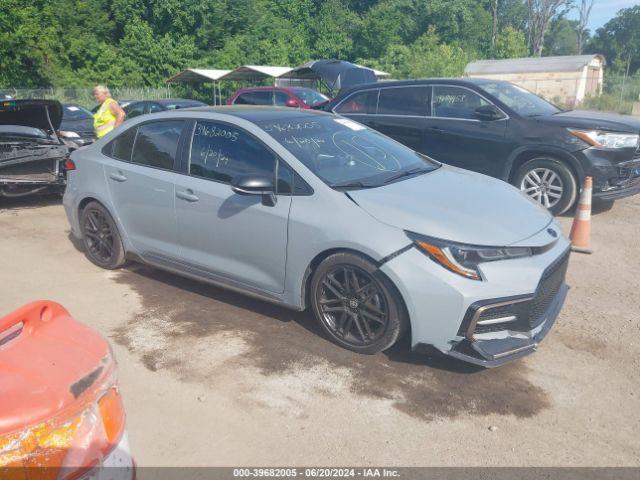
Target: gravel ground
[[214, 378]]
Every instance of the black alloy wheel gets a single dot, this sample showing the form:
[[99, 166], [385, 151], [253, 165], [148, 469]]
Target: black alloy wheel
[[101, 238], [356, 305]]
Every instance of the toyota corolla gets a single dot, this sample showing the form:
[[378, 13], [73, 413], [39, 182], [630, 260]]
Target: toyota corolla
[[311, 210]]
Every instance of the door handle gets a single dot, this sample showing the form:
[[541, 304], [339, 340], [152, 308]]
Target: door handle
[[187, 195], [436, 129], [118, 177]]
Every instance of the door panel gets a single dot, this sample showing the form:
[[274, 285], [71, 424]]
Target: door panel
[[456, 137], [144, 200], [231, 235], [141, 184]]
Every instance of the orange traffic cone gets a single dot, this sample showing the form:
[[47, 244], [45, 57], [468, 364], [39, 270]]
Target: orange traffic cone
[[580, 235]]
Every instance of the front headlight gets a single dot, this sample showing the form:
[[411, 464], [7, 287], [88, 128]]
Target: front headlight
[[464, 259], [66, 134], [600, 139]]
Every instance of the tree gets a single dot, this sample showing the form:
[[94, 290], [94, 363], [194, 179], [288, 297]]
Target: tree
[[584, 11], [540, 13], [510, 43], [494, 23], [619, 41], [561, 37]]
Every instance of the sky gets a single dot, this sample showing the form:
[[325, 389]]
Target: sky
[[603, 11]]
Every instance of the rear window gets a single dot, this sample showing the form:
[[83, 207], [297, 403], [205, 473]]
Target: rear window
[[156, 144], [254, 98], [405, 101], [122, 146], [359, 103]]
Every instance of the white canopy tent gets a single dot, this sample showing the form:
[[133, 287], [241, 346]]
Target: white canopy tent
[[202, 75], [253, 73], [245, 73]]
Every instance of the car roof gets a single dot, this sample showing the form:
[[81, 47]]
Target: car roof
[[254, 113], [165, 101], [463, 82]]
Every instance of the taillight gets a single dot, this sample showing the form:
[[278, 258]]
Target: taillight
[[67, 446], [69, 164]]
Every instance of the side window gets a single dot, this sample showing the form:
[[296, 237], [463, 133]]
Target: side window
[[405, 101], [255, 98], [122, 146], [220, 152], [154, 107], [361, 102], [157, 143], [135, 110], [456, 102], [280, 98]]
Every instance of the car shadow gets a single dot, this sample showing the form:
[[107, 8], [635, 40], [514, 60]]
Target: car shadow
[[186, 321], [598, 207], [401, 352]]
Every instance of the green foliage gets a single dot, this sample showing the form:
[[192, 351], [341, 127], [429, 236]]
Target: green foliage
[[78, 43], [426, 57], [511, 44]]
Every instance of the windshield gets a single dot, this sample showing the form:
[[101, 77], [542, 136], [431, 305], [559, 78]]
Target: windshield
[[519, 99], [75, 112], [346, 154], [310, 97]]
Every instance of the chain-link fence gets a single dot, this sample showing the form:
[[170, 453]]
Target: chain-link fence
[[84, 96], [619, 95], [616, 94]]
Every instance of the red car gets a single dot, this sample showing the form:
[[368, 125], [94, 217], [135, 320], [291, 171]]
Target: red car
[[297, 97]]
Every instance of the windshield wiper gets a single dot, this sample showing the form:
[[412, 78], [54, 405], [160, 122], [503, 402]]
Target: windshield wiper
[[351, 184], [407, 173]]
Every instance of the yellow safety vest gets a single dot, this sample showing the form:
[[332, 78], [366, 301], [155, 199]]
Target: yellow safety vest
[[103, 119]]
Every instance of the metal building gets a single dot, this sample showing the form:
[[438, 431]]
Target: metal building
[[566, 80]]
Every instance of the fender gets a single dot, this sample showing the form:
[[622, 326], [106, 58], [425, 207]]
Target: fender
[[551, 150]]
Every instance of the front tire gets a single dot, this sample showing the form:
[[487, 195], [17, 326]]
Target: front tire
[[356, 305], [100, 237], [549, 182]]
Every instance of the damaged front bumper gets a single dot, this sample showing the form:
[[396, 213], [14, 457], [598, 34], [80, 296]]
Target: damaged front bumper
[[27, 168]]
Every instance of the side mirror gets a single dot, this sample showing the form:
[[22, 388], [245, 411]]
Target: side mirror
[[488, 113], [291, 103], [255, 185]]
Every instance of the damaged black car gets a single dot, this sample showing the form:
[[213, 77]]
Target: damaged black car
[[32, 155]]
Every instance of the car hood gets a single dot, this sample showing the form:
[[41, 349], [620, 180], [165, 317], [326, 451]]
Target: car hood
[[594, 120], [457, 205], [31, 113]]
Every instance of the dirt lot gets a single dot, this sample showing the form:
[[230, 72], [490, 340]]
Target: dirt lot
[[213, 378]]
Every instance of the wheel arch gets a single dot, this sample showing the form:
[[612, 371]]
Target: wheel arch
[[94, 198], [524, 154], [320, 257]]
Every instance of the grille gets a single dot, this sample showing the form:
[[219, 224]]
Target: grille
[[547, 290], [530, 314]]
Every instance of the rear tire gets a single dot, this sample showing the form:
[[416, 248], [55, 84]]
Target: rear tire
[[100, 237], [356, 305], [549, 182]]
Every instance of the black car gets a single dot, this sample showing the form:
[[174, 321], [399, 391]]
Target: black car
[[31, 153], [142, 107], [77, 124], [505, 131]]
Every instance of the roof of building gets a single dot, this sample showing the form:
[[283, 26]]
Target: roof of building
[[564, 63]]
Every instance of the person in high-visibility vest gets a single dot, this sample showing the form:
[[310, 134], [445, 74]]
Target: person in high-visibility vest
[[109, 115]]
